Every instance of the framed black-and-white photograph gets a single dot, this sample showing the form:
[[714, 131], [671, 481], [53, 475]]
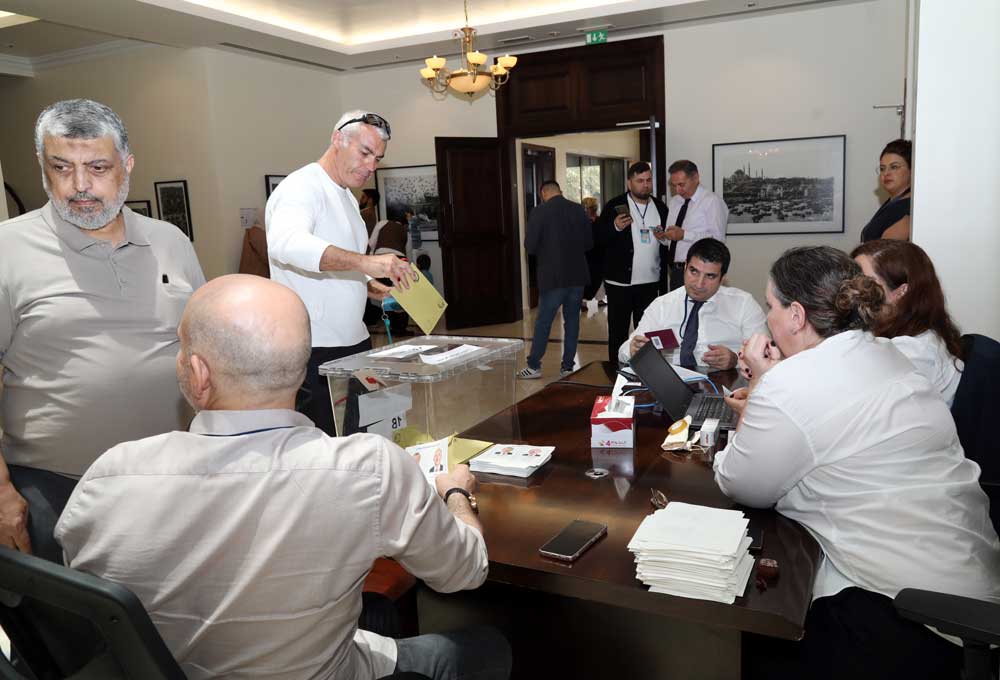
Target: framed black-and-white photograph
[[782, 186], [144, 208], [270, 182], [413, 188], [173, 206]]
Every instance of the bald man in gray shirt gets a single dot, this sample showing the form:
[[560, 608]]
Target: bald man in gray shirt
[[249, 536], [90, 297]]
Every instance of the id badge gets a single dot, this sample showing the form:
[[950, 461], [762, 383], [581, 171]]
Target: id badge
[[644, 236]]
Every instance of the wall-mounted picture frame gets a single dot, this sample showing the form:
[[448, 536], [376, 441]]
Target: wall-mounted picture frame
[[141, 207], [782, 186], [412, 187], [270, 182], [173, 205]]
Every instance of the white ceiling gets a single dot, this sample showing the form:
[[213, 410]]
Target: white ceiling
[[346, 34]]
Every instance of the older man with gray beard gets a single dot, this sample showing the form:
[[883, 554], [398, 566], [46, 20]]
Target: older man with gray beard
[[90, 298]]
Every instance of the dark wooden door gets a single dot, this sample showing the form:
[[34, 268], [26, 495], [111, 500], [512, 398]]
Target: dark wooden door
[[477, 235]]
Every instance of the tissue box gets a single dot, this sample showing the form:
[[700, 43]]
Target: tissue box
[[614, 430]]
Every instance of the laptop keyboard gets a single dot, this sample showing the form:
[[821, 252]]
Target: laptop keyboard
[[714, 407]]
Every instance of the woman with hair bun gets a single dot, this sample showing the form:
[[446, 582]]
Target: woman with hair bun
[[914, 316], [840, 433], [892, 219]]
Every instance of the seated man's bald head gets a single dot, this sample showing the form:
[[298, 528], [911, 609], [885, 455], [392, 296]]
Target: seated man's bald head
[[253, 336]]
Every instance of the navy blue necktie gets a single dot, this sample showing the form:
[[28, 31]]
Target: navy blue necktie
[[690, 338]]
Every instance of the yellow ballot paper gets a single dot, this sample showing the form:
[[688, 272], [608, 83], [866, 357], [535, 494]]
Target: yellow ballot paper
[[421, 301], [462, 450]]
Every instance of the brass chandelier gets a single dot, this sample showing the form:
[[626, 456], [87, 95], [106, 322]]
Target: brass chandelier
[[469, 79]]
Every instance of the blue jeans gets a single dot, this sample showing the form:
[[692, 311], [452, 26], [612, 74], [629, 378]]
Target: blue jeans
[[477, 653], [549, 302]]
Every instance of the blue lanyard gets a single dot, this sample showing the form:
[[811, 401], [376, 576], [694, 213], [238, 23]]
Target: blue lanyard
[[642, 214], [240, 434]]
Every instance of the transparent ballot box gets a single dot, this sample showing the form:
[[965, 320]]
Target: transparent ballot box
[[429, 386]]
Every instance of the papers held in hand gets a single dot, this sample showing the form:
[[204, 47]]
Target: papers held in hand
[[514, 460], [421, 301], [694, 551]]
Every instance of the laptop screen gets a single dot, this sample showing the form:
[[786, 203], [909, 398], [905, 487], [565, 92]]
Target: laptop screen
[[670, 391]]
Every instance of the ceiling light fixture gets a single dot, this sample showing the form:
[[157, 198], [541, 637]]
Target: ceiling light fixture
[[468, 79]]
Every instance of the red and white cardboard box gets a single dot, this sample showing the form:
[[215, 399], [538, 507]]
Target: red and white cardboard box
[[612, 429]]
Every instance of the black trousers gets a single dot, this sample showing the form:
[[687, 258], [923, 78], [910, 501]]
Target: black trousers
[[626, 305], [46, 494], [676, 279], [856, 635], [313, 399]]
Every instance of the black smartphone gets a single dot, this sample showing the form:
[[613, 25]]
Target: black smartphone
[[756, 539], [572, 541], [621, 210]]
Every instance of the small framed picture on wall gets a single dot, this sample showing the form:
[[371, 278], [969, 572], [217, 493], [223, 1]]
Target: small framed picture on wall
[[173, 206], [270, 182], [144, 208]]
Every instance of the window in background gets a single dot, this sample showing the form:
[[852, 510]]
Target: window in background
[[601, 178]]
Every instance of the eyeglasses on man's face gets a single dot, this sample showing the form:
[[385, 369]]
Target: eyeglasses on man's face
[[372, 119]]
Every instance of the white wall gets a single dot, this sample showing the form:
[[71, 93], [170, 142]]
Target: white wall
[[803, 73], [956, 191]]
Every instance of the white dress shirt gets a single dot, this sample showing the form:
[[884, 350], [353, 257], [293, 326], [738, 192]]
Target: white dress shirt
[[248, 539], [707, 216], [306, 213], [849, 440], [727, 318], [932, 360]]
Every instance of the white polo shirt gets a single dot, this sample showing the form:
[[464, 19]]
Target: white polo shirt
[[306, 213]]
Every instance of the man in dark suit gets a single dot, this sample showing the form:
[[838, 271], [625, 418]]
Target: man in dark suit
[[631, 231], [559, 236]]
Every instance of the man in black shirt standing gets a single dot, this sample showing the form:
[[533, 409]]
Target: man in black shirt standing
[[631, 232], [559, 236]]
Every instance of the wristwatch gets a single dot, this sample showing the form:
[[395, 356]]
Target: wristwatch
[[457, 489]]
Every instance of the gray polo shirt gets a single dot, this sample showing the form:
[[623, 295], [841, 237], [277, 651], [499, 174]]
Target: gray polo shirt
[[88, 337]]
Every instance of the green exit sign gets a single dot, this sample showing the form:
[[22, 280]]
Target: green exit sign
[[597, 37]]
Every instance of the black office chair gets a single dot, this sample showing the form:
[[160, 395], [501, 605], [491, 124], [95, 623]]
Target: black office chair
[[67, 624], [976, 622]]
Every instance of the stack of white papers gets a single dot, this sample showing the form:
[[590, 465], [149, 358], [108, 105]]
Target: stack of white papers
[[514, 460], [694, 551]]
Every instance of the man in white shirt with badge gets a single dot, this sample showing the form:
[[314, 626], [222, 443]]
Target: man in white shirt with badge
[[316, 242], [630, 232], [709, 320], [696, 212]]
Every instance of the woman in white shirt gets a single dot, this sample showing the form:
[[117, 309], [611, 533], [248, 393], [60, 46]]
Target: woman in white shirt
[[914, 316], [840, 433]]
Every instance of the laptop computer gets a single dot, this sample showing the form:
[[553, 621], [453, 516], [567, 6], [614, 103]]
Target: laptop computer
[[674, 395]]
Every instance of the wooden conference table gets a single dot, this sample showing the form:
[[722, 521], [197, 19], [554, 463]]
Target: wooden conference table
[[593, 618]]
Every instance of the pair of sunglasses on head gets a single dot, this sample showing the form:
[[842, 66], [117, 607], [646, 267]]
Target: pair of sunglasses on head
[[372, 119]]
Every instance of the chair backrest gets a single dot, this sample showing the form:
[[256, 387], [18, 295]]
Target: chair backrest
[[975, 410], [68, 624]]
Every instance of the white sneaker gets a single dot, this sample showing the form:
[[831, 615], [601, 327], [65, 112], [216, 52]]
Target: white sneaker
[[564, 372], [529, 373]]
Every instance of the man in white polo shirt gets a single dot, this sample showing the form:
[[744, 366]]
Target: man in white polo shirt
[[710, 321], [316, 240], [90, 297]]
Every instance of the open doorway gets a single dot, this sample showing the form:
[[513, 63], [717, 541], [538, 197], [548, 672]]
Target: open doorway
[[587, 164]]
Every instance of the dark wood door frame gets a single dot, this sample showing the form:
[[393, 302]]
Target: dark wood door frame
[[580, 89]]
